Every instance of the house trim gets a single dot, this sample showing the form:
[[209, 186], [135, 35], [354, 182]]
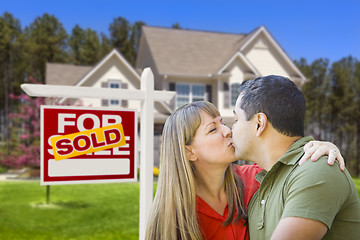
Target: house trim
[[244, 59]]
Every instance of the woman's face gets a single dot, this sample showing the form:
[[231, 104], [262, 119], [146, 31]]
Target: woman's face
[[212, 142]]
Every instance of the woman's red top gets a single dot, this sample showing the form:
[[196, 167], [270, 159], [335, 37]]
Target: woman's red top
[[211, 223]]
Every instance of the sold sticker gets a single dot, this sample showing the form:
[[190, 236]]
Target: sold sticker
[[88, 141]]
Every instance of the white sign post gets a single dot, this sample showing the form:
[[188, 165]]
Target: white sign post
[[147, 95]]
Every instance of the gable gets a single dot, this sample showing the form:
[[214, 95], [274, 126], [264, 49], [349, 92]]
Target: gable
[[266, 60], [112, 69], [240, 68], [268, 57]]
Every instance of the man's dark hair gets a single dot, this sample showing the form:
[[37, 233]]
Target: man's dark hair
[[277, 97]]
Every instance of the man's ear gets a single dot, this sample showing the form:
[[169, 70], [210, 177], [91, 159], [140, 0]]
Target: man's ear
[[190, 155], [261, 123]]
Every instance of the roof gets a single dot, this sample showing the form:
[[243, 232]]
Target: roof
[[191, 52], [71, 75], [65, 74]]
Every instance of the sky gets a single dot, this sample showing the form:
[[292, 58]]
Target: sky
[[309, 29]]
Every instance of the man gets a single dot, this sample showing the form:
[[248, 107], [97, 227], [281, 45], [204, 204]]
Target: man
[[311, 201]]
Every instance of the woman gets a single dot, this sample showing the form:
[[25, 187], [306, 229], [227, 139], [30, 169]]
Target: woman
[[200, 193]]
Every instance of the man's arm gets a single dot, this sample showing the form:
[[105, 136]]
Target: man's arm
[[296, 228]]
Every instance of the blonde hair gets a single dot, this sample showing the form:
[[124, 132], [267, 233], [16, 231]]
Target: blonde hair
[[173, 214]]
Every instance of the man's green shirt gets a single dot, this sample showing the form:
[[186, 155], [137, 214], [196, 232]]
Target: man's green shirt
[[313, 190]]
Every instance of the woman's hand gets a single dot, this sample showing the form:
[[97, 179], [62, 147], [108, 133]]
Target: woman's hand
[[317, 149]]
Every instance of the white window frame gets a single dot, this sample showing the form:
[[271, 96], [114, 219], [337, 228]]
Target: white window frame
[[190, 96]]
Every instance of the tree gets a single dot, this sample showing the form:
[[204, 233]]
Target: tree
[[343, 116], [125, 37], [105, 45], [47, 42], [85, 46], [76, 41], [333, 105], [91, 47], [314, 91], [176, 26], [25, 139], [10, 64], [357, 115], [134, 41]]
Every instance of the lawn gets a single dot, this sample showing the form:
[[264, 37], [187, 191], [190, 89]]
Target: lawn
[[89, 211]]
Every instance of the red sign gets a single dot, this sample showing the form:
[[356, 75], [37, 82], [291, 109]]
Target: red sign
[[87, 145]]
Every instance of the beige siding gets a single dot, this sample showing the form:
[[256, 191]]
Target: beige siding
[[265, 59]]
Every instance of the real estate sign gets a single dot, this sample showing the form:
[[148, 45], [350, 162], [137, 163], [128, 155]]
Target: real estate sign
[[87, 145]]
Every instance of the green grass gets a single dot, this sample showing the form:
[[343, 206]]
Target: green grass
[[357, 185], [94, 211], [89, 211]]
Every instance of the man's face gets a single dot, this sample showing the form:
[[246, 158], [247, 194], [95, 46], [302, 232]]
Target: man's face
[[242, 133]]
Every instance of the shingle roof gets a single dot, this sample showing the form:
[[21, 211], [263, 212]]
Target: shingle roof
[[191, 52], [65, 74]]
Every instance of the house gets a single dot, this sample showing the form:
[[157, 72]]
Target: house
[[201, 65], [198, 65]]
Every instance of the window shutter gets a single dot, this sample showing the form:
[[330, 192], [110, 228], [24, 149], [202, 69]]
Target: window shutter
[[208, 95], [172, 86], [226, 95], [104, 84], [104, 102], [124, 103]]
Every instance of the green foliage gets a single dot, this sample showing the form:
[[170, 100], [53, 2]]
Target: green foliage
[[333, 106], [90, 211], [3, 169], [85, 46], [125, 37], [315, 93], [46, 41], [11, 68]]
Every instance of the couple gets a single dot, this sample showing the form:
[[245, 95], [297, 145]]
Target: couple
[[202, 195]]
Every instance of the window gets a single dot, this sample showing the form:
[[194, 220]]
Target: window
[[198, 92], [234, 93], [114, 102], [186, 93], [114, 84]]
